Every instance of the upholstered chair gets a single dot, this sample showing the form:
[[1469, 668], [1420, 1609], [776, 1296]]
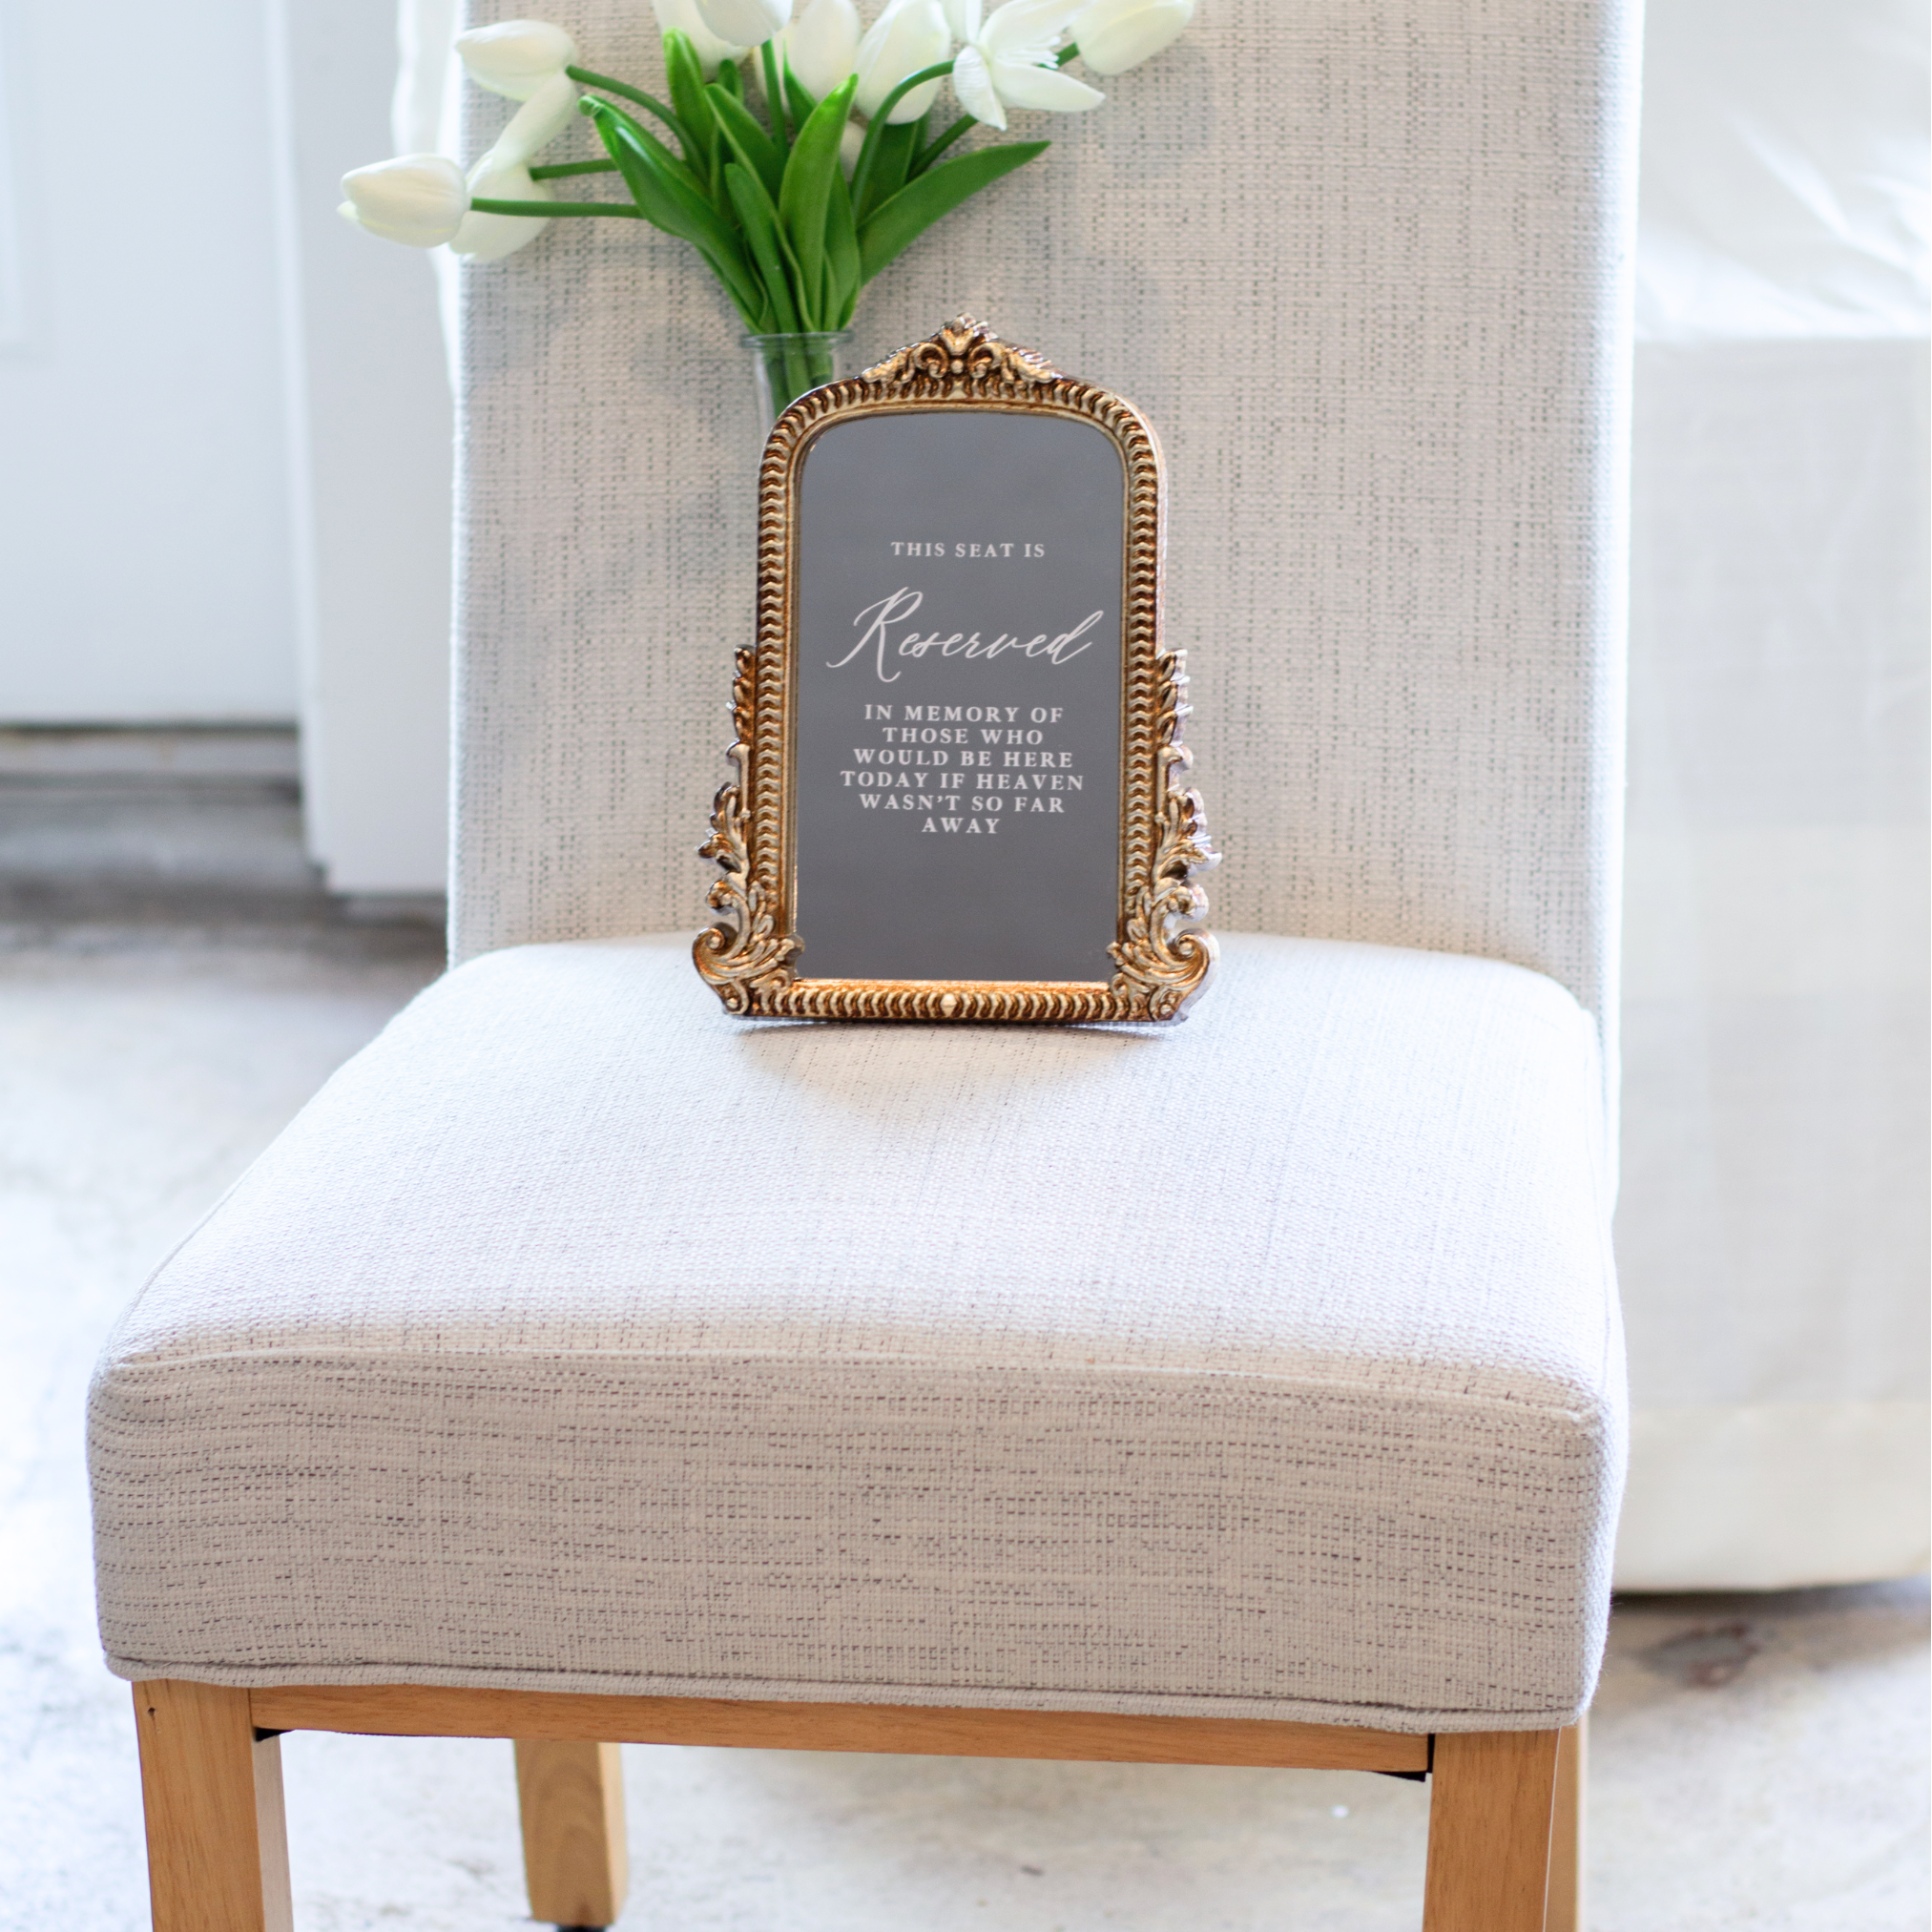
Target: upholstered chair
[[587, 1365]]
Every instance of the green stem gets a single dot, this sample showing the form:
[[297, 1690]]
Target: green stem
[[862, 175], [799, 367], [555, 171], [929, 153], [584, 77], [774, 99], [1068, 53], [488, 204]]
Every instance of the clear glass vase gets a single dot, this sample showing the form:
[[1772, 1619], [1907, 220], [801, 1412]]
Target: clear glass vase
[[787, 365]]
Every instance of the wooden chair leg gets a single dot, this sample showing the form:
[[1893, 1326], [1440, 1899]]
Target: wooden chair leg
[[218, 1850], [1564, 1913], [575, 1860], [1491, 1795]]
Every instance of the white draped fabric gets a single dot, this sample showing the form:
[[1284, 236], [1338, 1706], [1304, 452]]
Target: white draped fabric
[[1771, 1230]]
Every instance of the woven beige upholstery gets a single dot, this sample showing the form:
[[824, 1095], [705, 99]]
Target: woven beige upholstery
[[1363, 263], [579, 1336]]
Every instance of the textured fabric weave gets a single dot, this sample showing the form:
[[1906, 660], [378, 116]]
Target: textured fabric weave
[[580, 1337], [1364, 263]]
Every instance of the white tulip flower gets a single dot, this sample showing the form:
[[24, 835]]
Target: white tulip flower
[[424, 199], [516, 57], [538, 121], [1116, 34], [421, 200], [823, 45], [909, 35], [489, 237], [750, 22], [1009, 63], [683, 17], [963, 19]]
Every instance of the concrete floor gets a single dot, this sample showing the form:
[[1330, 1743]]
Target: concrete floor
[[1758, 1761]]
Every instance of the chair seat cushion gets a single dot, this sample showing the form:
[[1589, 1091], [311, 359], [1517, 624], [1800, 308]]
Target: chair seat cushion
[[579, 1336]]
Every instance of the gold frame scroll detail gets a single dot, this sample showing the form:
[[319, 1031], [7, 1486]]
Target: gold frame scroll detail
[[1162, 953]]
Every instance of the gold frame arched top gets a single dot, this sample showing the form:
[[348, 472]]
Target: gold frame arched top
[[1163, 955]]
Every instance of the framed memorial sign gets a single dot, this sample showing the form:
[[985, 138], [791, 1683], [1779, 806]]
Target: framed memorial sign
[[960, 791]]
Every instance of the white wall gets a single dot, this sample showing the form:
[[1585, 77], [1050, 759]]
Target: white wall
[[144, 546], [372, 445], [225, 415]]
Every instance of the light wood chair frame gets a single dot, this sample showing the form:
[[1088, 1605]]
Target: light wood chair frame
[[1506, 1807]]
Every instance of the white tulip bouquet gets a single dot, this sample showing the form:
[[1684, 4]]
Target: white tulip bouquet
[[795, 212]]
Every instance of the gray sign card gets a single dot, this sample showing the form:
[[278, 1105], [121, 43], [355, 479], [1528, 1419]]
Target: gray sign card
[[958, 662]]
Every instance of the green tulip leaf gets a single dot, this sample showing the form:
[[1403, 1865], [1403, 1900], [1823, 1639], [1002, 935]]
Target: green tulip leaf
[[938, 144], [841, 254], [668, 198], [892, 153], [796, 97], [806, 193], [749, 142], [936, 193], [689, 97], [624, 91], [761, 222], [632, 146]]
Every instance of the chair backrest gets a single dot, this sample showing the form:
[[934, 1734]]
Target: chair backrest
[[1364, 263]]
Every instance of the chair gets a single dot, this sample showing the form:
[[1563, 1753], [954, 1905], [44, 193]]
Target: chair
[[585, 1366]]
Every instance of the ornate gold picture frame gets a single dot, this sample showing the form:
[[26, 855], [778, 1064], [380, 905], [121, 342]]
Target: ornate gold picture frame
[[757, 956]]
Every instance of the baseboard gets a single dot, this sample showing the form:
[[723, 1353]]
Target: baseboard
[[1777, 1496]]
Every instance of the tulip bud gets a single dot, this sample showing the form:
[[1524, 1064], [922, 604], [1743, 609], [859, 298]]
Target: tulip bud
[[1113, 35], [517, 57], [489, 237], [823, 45], [421, 200], [749, 23], [682, 16], [909, 35]]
